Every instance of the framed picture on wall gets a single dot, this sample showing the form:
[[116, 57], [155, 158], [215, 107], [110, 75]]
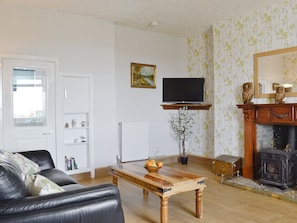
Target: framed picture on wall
[[143, 75]]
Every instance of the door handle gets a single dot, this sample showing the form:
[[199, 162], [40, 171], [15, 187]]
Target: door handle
[[48, 133]]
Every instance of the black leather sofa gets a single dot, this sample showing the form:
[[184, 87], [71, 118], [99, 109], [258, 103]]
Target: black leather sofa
[[77, 204]]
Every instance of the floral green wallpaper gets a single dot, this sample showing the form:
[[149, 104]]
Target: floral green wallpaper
[[200, 57], [224, 56]]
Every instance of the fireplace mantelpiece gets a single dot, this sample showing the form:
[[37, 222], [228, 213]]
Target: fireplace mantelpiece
[[265, 114]]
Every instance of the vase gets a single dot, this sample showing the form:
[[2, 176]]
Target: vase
[[184, 160], [183, 156]]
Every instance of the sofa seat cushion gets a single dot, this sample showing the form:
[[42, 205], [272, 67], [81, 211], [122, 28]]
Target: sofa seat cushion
[[39, 185], [11, 182], [58, 176]]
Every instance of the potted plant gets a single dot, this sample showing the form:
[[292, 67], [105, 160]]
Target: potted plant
[[181, 129]]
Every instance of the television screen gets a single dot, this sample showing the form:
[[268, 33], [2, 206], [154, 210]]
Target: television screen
[[183, 90]]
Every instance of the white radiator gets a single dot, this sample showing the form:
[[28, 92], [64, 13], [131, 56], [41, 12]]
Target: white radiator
[[133, 141]]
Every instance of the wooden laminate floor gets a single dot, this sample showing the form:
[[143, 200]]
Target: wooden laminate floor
[[222, 203]]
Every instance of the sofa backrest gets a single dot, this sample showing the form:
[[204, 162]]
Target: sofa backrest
[[42, 157]]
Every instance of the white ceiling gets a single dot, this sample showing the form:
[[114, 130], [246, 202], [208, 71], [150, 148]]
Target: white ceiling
[[181, 18]]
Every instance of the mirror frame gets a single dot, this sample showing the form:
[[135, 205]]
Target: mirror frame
[[256, 66]]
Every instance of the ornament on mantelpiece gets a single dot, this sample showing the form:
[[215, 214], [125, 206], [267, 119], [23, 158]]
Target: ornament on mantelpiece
[[279, 95], [247, 92]]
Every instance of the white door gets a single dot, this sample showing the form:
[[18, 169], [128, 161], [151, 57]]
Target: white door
[[28, 105]]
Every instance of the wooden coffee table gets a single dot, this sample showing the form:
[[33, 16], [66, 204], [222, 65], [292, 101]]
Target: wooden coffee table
[[167, 182]]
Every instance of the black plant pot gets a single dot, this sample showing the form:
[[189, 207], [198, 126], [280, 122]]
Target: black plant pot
[[184, 160]]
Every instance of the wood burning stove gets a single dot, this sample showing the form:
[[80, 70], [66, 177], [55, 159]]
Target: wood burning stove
[[278, 167], [278, 164]]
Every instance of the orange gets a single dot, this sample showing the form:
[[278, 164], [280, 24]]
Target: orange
[[151, 163], [160, 164], [147, 163]]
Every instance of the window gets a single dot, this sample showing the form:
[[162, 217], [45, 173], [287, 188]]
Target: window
[[29, 100]]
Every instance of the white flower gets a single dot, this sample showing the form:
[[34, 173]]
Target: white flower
[[181, 126]]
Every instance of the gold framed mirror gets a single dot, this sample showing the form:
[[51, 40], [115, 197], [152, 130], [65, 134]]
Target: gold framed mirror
[[275, 68]]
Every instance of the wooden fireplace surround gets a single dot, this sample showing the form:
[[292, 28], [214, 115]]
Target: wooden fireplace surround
[[264, 114]]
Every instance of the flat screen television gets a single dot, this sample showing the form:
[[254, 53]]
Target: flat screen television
[[183, 90]]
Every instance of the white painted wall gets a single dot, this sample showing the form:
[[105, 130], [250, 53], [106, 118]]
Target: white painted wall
[[85, 45], [143, 104]]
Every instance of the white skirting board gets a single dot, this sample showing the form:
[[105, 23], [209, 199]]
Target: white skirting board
[[133, 141]]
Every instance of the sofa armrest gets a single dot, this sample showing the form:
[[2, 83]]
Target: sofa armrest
[[104, 200], [36, 203]]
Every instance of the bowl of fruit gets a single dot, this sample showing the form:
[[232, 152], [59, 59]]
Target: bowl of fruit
[[153, 166]]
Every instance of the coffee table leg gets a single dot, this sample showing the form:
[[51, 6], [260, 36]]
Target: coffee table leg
[[199, 203], [115, 180], [164, 209], [145, 192]]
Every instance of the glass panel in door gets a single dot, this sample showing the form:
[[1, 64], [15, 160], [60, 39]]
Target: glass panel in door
[[29, 101]]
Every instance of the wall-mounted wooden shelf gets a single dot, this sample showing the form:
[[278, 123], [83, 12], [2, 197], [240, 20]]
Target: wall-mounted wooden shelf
[[189, 106]]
